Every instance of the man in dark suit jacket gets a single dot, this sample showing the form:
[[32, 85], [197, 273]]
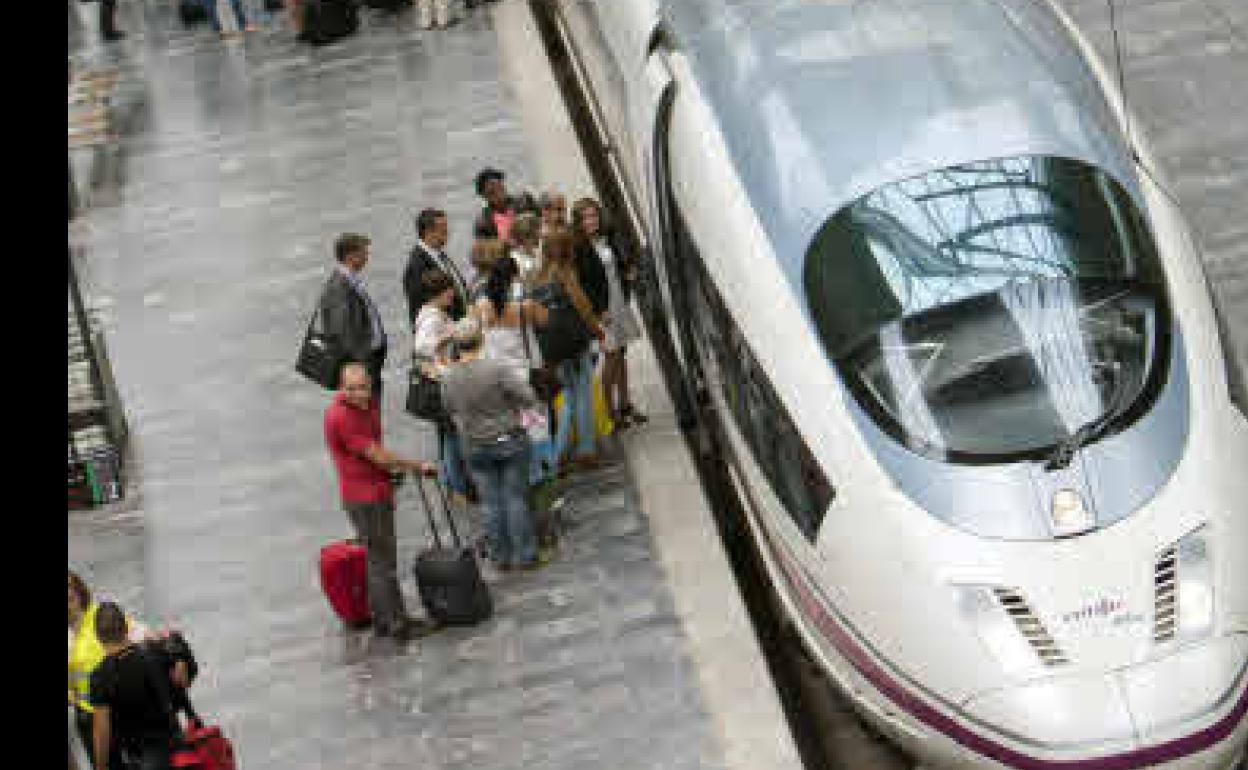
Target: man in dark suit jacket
[[348, 314], [432, 232]]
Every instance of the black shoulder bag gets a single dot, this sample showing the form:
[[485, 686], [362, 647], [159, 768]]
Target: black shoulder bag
[[543, 379], [320, 356], [424, 395]]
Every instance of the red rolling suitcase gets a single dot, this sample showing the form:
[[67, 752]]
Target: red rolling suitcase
[[203, 748], [344, 579]]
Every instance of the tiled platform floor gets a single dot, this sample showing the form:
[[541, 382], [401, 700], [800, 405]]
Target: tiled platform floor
[[251, 157], [1184, 66]]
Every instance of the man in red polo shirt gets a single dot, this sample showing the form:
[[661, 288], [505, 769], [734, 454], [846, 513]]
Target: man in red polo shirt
[[353, 435]]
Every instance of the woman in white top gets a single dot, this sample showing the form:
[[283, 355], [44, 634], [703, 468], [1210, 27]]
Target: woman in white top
[[433, 330], [434, 327], [507, 320], [507, 317], [526, 233]]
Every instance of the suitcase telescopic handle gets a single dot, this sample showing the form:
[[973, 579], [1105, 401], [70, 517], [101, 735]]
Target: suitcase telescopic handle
[[446, 511]]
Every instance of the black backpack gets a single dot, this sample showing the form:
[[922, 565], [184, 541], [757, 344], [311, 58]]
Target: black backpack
[[172, 649], [565, 335], [163, 653]]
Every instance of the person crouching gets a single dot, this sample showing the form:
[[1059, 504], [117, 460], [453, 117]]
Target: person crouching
[[484, 398]]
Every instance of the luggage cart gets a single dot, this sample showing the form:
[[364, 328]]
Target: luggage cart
[[96, 423]]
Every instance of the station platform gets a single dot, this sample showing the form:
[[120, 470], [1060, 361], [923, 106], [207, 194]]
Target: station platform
[[631, 650]]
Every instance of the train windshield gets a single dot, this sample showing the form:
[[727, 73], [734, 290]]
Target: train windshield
[[988, 312]]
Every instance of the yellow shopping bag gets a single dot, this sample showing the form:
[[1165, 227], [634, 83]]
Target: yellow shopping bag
[[602, 417]]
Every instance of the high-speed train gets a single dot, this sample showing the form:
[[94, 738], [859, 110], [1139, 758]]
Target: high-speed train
[[969, 374]]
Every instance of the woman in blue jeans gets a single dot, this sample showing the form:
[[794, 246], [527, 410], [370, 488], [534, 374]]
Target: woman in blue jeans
[[577, 376], [484, 398], [558, 269]]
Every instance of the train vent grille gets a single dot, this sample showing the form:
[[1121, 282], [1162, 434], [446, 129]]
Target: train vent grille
[[1166, 596], [1031, 627]]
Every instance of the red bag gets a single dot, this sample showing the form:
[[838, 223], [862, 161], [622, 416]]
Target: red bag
[[344, 579], [203, 748]]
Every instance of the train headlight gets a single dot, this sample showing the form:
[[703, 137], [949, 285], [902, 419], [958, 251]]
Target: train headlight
[[1195, 585], [1068, 513]]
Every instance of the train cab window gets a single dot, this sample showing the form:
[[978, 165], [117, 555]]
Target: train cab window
[[990, 312], [779, 450]]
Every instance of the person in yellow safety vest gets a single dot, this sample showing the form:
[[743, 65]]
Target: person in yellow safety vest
[[86, 652]]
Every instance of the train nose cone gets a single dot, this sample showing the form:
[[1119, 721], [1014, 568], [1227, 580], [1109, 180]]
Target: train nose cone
[[1057, 714], [1186, 692], [1194, 701]]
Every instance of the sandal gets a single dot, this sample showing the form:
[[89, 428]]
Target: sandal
[[634, 417], [620, 421], [589, 462]]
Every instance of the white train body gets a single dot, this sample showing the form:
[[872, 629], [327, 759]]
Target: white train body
[[981, 599]]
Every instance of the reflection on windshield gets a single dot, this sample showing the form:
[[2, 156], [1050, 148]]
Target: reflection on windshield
[[990, 309]]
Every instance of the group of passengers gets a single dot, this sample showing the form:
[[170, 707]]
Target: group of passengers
[[526, 354], [515, 351]]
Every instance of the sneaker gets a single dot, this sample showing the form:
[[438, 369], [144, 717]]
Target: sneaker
[[544, 555]]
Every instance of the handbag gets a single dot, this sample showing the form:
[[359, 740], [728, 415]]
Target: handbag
[[544, 379], [424, 395], [320, 355]]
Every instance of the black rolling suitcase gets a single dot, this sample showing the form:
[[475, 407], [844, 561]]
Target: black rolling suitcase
[[449, 578], [325, 21], [192, 12]]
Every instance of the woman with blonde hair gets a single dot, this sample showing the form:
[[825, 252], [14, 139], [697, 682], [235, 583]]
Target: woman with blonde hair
[[526, 236], [486, 252], [558, 276]]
